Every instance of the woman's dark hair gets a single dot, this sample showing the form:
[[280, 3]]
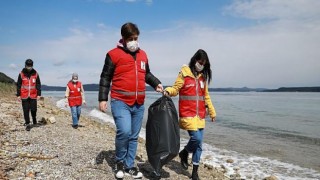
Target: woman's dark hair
[[201, 55], [129, 29]]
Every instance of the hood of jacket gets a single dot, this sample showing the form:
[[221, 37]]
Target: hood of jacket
[[121, 45], [28, 73], [186, 71]]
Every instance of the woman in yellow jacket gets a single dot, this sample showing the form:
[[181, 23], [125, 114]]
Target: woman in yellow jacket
[[192, 87]]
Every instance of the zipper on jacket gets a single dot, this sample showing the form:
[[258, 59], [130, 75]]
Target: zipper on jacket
[[135, 62], [29, 87], [197, 97]]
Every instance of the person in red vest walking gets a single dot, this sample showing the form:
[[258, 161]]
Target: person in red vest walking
[[28, 92], [75, 97], [192, 87], [127, 67]]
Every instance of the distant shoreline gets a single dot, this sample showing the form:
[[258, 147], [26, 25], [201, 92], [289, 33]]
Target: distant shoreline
[[95, 87]]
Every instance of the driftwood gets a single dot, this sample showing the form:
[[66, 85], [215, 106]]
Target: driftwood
[[38, 157], [26, 155]]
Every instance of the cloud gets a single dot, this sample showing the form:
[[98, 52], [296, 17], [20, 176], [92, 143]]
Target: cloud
[[101, 25], [265, 55], [82, 51], [110, 1], [282, 51], [279, 52], [149, 2], [274, 9], [13, 66], [58, 62]]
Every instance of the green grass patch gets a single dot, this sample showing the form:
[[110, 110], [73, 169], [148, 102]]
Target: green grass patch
[[7, 88]]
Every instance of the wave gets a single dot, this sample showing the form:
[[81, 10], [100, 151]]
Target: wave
[[249, 167], [288, 135]]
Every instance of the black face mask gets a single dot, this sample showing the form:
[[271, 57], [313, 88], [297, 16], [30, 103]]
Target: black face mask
[[29, 69]]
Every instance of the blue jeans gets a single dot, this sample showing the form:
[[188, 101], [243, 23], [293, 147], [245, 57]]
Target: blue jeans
[[194, 145], [128, 121], [75, 113]]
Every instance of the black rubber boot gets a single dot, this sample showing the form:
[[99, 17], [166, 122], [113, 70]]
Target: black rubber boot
[[35, 123], [184, 158], [28, 127], [155, 175], [195, 175]]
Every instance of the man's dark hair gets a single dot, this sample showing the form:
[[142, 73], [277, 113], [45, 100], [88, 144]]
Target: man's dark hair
[[29, 62], [129, 29]]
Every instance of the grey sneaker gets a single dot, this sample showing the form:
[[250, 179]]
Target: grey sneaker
[[119, 172], [133, 172]]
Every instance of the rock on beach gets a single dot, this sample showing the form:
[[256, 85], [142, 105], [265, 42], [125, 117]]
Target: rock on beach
[[54, 150]]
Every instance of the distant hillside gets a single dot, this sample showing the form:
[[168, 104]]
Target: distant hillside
[[243, 89], [86, 87], [294, 89], [5, 79], [7, 85], [95, 87], [91, 87], [282, 89], [52, 88]]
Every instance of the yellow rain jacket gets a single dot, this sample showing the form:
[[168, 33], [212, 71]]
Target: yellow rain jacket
[[191, 123]]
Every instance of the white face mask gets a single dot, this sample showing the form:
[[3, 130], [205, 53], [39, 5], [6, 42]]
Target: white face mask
[[199, 67], [73, 80], [132, 46]]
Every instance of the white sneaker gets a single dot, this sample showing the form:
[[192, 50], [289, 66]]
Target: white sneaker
[[119, 174], [119, 170], [133, 172]]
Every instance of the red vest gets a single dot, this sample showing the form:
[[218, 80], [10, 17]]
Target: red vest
[[128, 81], [191, 98], [75, 98], [28, 86]]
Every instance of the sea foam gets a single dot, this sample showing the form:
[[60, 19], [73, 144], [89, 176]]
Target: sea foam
[[249, 167]]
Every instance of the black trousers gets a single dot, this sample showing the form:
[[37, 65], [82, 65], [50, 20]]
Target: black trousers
[[27, 106]]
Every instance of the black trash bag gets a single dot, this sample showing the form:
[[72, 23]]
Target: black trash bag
[[162, 133]]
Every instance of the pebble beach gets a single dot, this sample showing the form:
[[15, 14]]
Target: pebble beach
[[54, 150]]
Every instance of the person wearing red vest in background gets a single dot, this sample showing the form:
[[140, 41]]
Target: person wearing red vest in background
[[75, 97], [192, 87], [29, 91], [127, 67]]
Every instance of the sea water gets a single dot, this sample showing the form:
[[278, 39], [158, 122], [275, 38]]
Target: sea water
[[263, 133]]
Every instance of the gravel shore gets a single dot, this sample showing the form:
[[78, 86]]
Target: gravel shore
[[54, 150]]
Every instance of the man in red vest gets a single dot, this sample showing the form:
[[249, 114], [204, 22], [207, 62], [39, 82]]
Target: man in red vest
[[127, 67], [75, 97], [29, 91]]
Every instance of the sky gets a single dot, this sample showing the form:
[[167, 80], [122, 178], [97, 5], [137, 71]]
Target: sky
[[250, 43]]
